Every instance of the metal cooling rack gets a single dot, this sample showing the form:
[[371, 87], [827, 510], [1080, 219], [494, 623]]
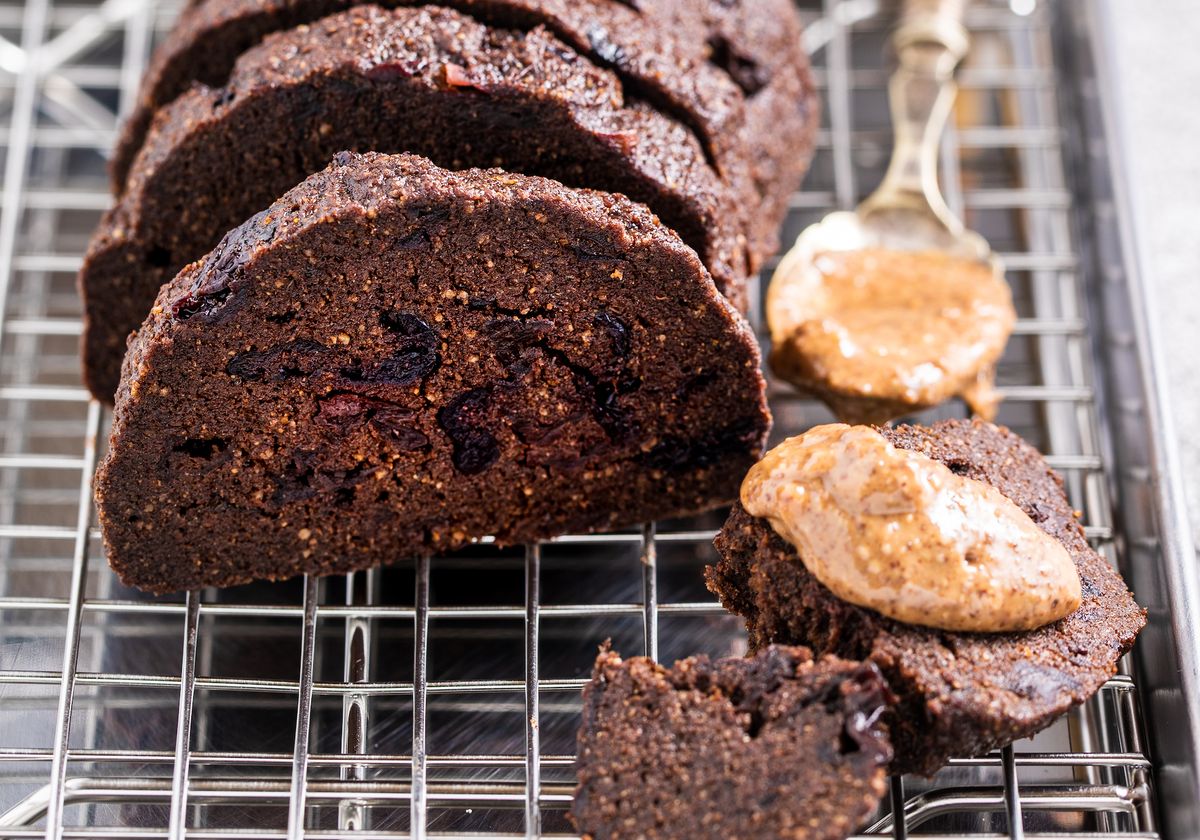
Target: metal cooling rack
[[440, 697]]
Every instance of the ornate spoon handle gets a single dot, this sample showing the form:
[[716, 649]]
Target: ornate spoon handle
[[930, 41]]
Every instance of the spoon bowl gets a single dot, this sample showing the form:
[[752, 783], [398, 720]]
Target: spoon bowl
[[906, 213]]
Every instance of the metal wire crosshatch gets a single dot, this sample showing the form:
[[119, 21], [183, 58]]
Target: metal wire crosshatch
[[440, 697]]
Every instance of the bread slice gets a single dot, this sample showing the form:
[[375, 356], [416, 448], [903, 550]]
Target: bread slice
[[693, 60], [959, 694], [758, 44], [395, 359], [778, 745], [733, 71]]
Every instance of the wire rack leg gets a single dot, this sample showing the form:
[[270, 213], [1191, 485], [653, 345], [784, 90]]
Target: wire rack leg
[[650, 590], [360, 590], [177, 823], [533, 745], [1012, 795], [899, 821], [66, 690], [299, 788], [417, 815]]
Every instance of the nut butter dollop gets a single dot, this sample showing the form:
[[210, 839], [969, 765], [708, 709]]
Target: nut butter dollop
[[878, 333], [899, 533]]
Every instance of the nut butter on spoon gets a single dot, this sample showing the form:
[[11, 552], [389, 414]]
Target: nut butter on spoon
[[896, 307]]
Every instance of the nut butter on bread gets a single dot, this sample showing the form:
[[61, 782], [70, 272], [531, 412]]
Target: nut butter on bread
[[896, 531], [960, 693]]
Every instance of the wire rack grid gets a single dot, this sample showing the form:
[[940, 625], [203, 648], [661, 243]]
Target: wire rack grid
[[440, 697]]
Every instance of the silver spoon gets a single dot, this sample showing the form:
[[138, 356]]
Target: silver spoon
[[905, 213]]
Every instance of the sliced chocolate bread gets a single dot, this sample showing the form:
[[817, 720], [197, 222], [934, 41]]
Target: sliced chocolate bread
[[959, 694], [781, 122], [395, 359], [778, 745], [758, 43], [693, 60], [428, 81]]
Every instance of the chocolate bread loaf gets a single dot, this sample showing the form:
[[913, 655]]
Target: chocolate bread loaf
[[959, 694], [429, 81], [778, 745], [394, 359]]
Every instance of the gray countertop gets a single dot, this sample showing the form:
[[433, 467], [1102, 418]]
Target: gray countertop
[[1158, 80]]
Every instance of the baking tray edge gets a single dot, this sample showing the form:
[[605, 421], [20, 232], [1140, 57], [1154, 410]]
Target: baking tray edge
[[1159, 556]]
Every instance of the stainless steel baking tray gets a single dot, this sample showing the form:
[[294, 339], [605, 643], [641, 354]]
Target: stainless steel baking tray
[[440, 697]]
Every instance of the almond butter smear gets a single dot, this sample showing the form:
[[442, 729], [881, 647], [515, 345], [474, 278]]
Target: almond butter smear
[[899, 533], [877, 333]]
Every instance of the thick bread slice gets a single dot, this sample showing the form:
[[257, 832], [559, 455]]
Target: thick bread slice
[[959, 694], [395, 359]]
